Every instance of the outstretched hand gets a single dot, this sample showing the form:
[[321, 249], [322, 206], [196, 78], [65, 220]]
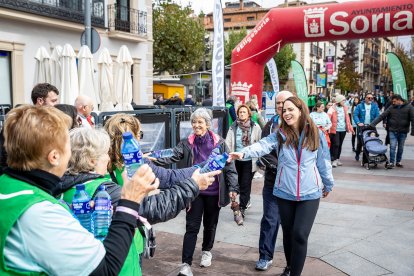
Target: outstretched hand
[[141, 183], [235, 156], [205, 179]]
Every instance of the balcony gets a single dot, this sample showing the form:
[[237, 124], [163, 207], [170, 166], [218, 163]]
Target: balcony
[[67, 10], [123, 19]]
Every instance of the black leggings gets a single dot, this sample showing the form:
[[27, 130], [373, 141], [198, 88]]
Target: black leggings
[[337, 140], [297, 218], [245, 177]]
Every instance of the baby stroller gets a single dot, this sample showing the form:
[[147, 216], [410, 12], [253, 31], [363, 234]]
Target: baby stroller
[[374, 149]]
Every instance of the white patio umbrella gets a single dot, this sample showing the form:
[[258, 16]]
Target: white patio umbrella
[[123, 81], [69, 77], [86, 75], [55, 66], [42, 70], [105, 81]]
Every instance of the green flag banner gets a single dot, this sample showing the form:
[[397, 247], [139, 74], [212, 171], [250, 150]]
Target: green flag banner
[[300, 81], [398, 76]]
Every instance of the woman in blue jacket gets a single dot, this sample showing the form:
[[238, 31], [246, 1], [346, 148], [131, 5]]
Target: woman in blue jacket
[[304, 175]]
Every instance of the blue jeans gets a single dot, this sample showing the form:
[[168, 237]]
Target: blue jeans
[[397, 138], [269, 224]]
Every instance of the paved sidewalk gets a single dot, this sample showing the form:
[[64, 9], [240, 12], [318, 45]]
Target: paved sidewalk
[[365, 227]]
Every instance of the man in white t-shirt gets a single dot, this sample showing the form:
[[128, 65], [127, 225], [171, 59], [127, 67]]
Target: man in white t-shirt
[[364, 114]]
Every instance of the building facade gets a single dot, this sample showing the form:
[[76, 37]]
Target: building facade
[[30, 24]]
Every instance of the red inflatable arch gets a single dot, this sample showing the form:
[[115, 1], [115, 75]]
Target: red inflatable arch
[[324, 22]]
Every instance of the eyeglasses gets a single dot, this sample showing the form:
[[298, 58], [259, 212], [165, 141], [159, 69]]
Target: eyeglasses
[[370, 98], [90, 105]]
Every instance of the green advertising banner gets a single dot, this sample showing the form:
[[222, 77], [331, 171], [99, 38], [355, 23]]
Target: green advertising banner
[[398, 76], [300, 80]]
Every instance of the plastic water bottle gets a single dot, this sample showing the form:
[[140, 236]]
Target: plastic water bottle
[[102, 214], [165, 153], [81, 207], [131, 153], [216, 163], [214, 152]]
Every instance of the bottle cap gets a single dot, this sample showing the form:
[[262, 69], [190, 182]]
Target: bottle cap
[[80, 187], [226, 155], [102, 188], [127, 135]]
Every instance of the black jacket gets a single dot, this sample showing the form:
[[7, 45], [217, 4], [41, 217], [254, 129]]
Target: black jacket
[[398, 118], [155, 208], [270, 160], [227, 179]]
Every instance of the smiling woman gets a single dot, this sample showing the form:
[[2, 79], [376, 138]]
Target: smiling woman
[[303, 165]]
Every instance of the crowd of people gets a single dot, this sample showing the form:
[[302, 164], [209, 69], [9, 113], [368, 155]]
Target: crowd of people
[[296, 148]]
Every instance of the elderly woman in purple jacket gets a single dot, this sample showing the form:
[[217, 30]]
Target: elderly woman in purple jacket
[[206, 207]]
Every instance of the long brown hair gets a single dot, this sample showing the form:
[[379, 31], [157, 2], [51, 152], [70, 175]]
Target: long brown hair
[[311, 141], [116, 126]]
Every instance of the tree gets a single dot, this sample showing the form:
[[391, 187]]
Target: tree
[[178, 38], [407, 64], [348, 78], [234, 38], [283, 59]]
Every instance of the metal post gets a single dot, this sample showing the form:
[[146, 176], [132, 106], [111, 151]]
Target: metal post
[[88, 33]]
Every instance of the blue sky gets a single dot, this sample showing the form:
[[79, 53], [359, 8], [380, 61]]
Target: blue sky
[[207, 6]]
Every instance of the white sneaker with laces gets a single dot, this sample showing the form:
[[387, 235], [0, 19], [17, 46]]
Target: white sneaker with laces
[[206, 259], [185, 270], [334, 164], [339, 163]]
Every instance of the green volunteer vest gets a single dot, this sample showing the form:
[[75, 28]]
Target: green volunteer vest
[[131, 265], [18, 196], [229, 116], [254, 117]]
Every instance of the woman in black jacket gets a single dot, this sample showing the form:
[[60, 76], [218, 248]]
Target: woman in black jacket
[[192, 151]]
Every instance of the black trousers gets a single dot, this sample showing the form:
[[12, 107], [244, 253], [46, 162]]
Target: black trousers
[[337, 140], [297, 218], [354, 137], [245, 177], [204, 208]]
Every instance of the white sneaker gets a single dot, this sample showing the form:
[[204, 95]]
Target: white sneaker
[[339, 163], [185, 270], [334, 164], [257, 175], [206, 259]]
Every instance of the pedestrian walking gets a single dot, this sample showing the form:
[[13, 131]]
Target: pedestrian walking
[[364, 114], [269, 224], [242, 133], [399, 116], [303, 164], [338, 114]]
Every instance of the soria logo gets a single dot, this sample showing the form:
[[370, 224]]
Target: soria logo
[[315, 22]]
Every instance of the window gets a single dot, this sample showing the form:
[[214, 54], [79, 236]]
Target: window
[[227, 19], [5, 78], [250, 18]]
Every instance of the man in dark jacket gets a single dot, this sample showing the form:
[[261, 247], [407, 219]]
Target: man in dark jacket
[[398, 115], [269, 224]]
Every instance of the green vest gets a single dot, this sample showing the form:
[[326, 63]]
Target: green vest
[[228, 105], [254, 117], [28, 195], [131, 265], [25, 196]]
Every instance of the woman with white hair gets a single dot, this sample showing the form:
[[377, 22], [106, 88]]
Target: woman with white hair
[[206, 207]]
